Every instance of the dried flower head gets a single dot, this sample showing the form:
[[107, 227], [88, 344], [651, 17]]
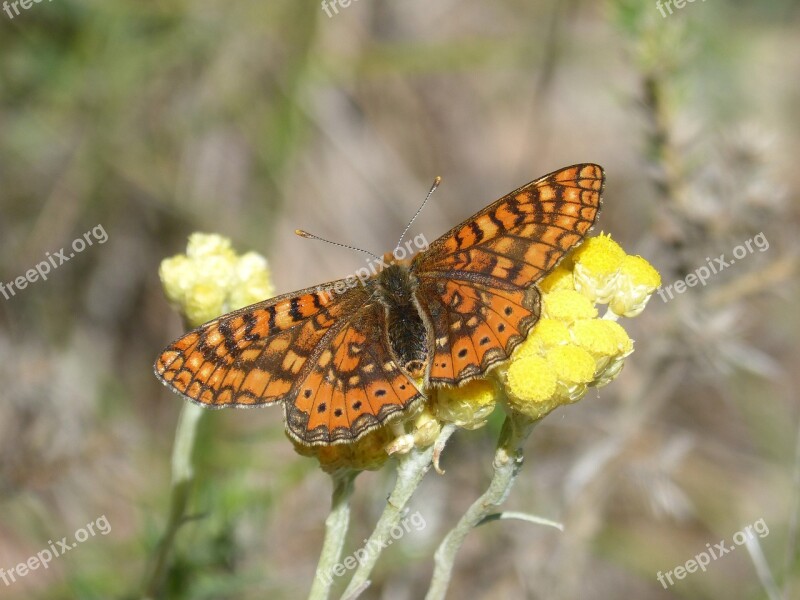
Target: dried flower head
[[211, 279]]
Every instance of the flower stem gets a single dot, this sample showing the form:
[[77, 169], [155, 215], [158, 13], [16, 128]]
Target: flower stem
[[182, 479], [507, 463], [411, 468], [335, 531]]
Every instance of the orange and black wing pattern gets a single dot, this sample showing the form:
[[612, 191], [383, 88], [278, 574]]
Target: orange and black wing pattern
[[253, 355], [354, 384], [475, 282], [324, 356]]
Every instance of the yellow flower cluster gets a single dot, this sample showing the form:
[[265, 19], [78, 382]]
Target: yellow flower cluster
[[571, 348], [211, 279]]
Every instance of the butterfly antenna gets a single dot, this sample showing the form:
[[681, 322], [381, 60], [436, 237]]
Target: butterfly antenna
[[435, 185], [311, 236]]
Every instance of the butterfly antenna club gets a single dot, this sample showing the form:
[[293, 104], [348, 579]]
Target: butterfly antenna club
[[435, 185], [310, 236]]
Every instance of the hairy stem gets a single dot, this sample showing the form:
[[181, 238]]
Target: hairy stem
[[335, 531], [507, 463], [411, 468], [182, 479]]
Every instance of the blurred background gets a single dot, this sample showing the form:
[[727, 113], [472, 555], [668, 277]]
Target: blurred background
[[252, 119]]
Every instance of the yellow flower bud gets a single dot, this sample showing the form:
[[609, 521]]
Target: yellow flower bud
[[531, 385], [567, 305], [572, 364], [602, 338], [559, 279], [203, 245], [177, 276], [467, 406], [636, 282], [203, 302], [597, 263], [549, 333]]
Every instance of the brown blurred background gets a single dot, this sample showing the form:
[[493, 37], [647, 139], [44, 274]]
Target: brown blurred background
[[251, 119]]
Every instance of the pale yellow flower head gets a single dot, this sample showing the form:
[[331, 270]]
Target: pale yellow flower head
[[211, 279]]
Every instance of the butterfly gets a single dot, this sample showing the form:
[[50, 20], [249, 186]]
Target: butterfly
[[345, 364]]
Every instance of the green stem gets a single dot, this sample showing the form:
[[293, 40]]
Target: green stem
[[335, 531], [411, 468], [507, 463], [182, 480]]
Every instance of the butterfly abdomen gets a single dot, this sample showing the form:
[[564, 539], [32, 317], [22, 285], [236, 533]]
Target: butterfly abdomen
[[405, 329]]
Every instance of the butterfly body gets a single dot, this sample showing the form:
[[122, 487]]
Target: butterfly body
[[343, 364], [405, 330]]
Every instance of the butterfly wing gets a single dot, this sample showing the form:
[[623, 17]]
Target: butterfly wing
[[306, 349], [476, 281], [354, 386]]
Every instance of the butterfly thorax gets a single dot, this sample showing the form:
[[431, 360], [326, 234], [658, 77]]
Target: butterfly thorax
[[396, 286]]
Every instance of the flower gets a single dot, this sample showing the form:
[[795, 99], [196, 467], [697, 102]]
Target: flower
[[468, 406], [597, 263], [211, 279], [636, 282], [367, 454]]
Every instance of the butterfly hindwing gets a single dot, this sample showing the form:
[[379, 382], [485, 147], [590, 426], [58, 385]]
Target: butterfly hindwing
[[488, 263], [474, 325], [354, 386]]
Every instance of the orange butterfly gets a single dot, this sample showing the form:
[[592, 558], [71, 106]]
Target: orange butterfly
[[345, 364]]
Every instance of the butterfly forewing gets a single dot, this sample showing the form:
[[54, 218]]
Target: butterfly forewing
[[253, 355], [475, 281], [322, 354]]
